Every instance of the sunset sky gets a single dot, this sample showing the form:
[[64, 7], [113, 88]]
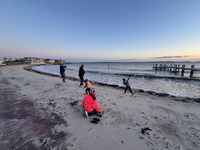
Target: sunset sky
[[101, 30]]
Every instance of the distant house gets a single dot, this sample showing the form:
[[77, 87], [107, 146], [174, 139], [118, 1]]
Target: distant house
[[33, 60], [49, 61], [60, 61], [2, 63], [40, 60], [8, 59]]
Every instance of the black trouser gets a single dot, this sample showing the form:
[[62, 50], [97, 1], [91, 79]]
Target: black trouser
[[129, 89], [63, 76], [81, 78], [87, 90]]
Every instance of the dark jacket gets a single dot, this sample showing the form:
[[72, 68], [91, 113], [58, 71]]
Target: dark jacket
[[62, 69], [126, 83], [81, 72]]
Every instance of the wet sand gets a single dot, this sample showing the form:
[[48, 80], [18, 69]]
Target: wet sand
[[24, 125]]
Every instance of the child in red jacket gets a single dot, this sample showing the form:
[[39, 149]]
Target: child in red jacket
[[89, 103]]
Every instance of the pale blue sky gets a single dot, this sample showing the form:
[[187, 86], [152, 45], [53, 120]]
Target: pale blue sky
[[101, 30]]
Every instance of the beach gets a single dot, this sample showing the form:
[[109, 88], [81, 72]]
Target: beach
[[39, 111]]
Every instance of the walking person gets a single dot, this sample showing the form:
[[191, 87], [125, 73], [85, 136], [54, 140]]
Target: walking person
[[81, 74], [62, 71], [126, 83]]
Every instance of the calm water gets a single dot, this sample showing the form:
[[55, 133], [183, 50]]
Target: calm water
[[142, 76]]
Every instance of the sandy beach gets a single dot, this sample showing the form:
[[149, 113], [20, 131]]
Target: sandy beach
[[39, 111]]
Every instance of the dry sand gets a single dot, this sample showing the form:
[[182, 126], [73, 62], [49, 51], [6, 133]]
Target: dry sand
[[38, 111]]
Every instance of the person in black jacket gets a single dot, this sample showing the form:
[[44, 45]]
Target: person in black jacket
[[81, 74], [62, 71]]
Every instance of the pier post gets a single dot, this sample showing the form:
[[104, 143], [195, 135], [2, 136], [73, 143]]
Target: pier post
[[178, 67], [170, 69], [175, 68], [160, 66], [191, 71], [165, 67], [183, 70], [156, 67]]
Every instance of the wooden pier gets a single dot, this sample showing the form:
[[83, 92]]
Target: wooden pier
[[175, 68]]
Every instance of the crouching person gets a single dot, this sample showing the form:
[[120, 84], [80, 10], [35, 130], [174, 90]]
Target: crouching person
[[89, 104]]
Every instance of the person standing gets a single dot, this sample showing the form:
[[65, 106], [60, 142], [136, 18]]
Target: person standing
[[81, 74], [62, 71], [126, 83]]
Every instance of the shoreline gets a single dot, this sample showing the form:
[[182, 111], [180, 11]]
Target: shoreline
[[177, 98], [142, 121]]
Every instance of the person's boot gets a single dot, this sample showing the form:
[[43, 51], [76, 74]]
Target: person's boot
[[85, 113]]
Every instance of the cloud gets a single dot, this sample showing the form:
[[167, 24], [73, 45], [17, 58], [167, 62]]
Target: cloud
[[128, 59], [123, 60], [186, 56], [163, 57]]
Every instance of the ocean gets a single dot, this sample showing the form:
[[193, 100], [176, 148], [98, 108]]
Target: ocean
[[142, 76]]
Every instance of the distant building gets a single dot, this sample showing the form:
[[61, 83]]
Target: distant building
[[2, 63], [60, 61], [33, 60], [7, 59], [49, 61]]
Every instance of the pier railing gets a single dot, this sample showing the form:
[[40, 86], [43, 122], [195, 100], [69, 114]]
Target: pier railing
[[175, 68]]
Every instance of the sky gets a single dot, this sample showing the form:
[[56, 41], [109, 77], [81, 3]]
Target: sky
[[101, 30]]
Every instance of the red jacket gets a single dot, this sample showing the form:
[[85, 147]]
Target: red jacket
[[89, 104]]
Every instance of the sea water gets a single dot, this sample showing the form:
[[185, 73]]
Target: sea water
[[142, 76]]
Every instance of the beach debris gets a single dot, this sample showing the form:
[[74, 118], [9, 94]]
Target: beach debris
[[95, 122], [27, 83], [74, 103], [56, 131], [143, 130], [141, 137], [114, 103], [89, 129], [46, 141], [96, 119], [137, 124], [53, 104], [20, 101], [70, 144]]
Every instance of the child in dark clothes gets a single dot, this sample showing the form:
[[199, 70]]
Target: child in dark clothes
[[126, 83]]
